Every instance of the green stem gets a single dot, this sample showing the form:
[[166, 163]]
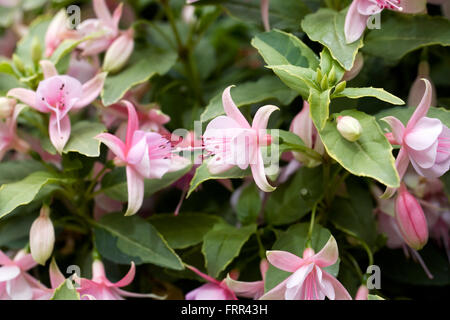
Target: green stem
[[311, 224], [262, 250]]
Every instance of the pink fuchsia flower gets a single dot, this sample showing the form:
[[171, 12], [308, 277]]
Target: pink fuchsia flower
[[118, 53], [100, 288], [362, 293], [145, 155], [418, 88], [106, 27], [83, 68], [57, 32], [255, 289], [15, 282], [233, 142], [58, 95], [303, 126], [213, 290], [425, 142], [360, 10], [356, 68], [411, 219], [308, 280], [9, 139]]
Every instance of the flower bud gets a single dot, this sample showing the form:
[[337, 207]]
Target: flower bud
[[118, 53], [349, 128], [42, 237], [6, 107], [362, 293], [410, 219], [354, 71]]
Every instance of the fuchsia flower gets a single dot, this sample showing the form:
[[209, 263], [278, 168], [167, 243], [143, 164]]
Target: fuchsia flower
[[213, 290], [303, 126], [417, 89], [362, 293], [15, 282], [58, 95], [8, 134], [100, 288], [145, 155], [255, 289], [360, 10], [425, 142], [106, 26], [308, 280], [57, 32], [233, 142]]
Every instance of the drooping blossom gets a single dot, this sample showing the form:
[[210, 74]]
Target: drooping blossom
[[58, 95], [145, 155], [105, 27], [425, 142], [9, 140], [42, 236], [360, 10], [212, 290], [233, 142], [303, 126], [308, 281], [57, 32], [255, 289], [15, 282], [100, 288], [362, 293]]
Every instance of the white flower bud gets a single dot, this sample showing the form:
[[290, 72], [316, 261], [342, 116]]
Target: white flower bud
[[118, 53], [6, 107], [42, 237], [349, 128]]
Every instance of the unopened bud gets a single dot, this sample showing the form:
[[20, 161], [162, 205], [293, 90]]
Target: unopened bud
[[119, 52], [332, 76], [410, 219], [349, 128], [36, 50], [324, 82], [18, 63], [357, 66], [6, 107], [318, 76], [362, 293], [42, 236], [340, 87]]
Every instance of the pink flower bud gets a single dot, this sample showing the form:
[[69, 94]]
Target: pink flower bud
[[118, 53], [6, 107], [354, 71], [42, 237], [362, 293], [349, 128], [411, 219]]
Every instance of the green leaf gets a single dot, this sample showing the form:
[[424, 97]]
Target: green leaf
[[202, 174], [401, 34], [319, 103], [249, 204], [66, 291], [37, 29], [292, 200], [16, 227], [281, 48], [114, 183], [296, 78], [379, 93], [294, 241], [222, 244], [125, 239], [22, 192], [404, 114], [7, 67], [82, 138], [369, 156], [327, 27], [184, 230], [12, 171], [355, 214], [143, 65], [247, 93], [374, 297]]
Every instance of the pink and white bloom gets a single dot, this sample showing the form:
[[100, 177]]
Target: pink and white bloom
[[255, 289], [145, 155], [303, 126], [360, 10], [417, 89], [425, 142], [57, 32], [100, 288], [15, 282], [106, 27], [308, 281], [119, 52], [213, 290], [58, 95], [9, 140], [42, 236], [233, 142], [362, 293]]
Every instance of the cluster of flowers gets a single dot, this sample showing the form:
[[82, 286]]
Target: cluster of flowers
[[149, 151]]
